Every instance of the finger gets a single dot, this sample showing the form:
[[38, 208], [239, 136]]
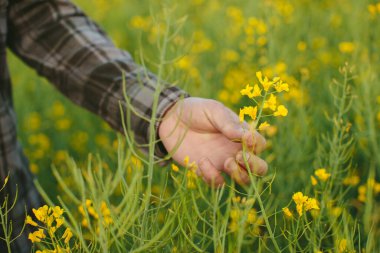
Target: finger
[[257, 165], [238, 174], [210, 174], [254, 141], [227, 122]]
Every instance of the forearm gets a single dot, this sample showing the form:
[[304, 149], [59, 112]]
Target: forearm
[[65, 46]]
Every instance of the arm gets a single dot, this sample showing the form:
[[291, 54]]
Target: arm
[[66, 47]]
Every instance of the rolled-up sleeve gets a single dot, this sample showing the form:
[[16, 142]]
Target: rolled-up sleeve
[[58, 40]]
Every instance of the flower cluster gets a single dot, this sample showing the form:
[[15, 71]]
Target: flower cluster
[[303, 204], [374, 10], [49, 221], [266, 90], [191, 175], [89, 208], [370, 186], [321, 174], [239, 213]]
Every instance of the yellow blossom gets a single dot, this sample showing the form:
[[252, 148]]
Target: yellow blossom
[[336, 211], [235, 214], [346, 47], [106, 213], [186, 160], [280, 86], [311, 203], [233, 226], [265, 81], [37, 236], [30, 221], [301, 46], [322, 174], [175, 167], [57, 211], [271, 102], [376, 188], [236, 199], [252, 216], [67, 235], [41, 213], [84, 222], [281, 111], [362, 193], [287, 212], [59, 222], [256, 91], [343, 245], [263, 126], [351, 180], [313, 180], [248, 110], [299, 208], [299, 198], [246, 91]]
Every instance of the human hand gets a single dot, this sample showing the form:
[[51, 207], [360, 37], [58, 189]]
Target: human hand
[[207, 131]]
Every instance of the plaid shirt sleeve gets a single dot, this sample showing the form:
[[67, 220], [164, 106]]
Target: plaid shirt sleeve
[[63, 45]]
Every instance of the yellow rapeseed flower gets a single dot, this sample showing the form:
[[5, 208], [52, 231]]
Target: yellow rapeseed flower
[[351, 180], [281, 111], [301, 46], [265, 81], [67, 235], [271, 102], [57, 211], [30, 221], [175, 167], [186, 160], [313, 180], [252, 216], [263, 126], [299, 198], [346, 47], [256, 91], [343, 245], [106, 213], [37, 236], [322, 174], [246, 91], [248, 110], [299, 208], [281, 86], [235, 214], [41, 213], [287, 212], [310, 204], [59, 222], [362, 190]]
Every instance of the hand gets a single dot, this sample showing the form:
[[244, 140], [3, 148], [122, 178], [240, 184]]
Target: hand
[[205, 130]]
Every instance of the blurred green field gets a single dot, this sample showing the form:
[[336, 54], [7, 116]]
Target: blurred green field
[[327, 51]]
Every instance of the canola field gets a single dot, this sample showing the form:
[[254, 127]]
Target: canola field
[[311, 68]]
